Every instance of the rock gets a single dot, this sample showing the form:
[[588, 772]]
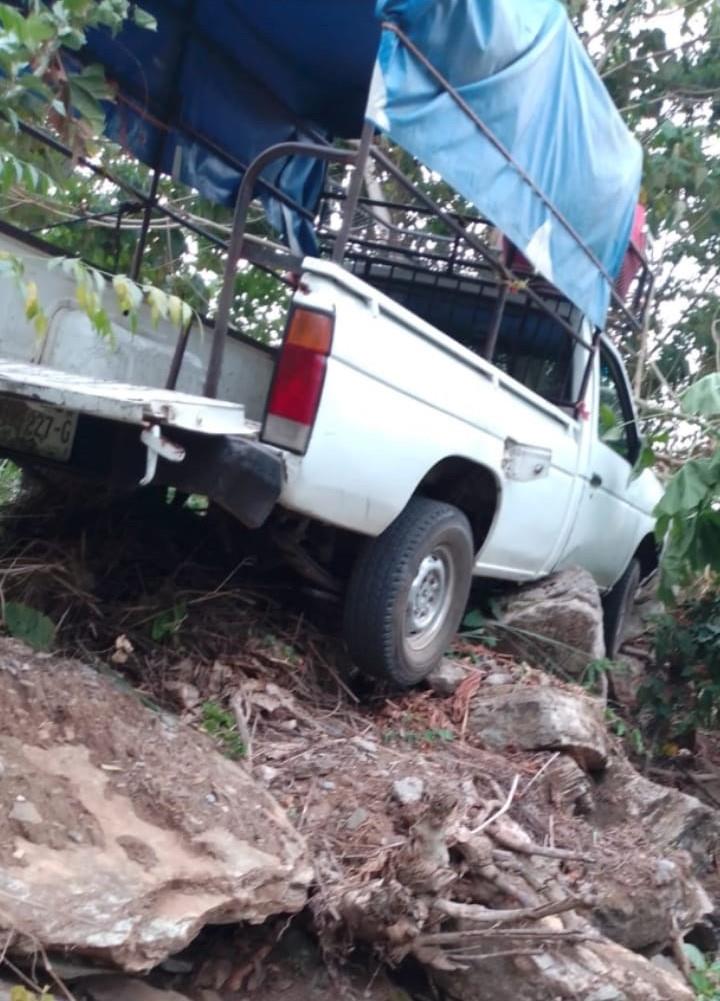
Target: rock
[[542, 718], [627, 678], [267, 774], [669, 819], [26, 813], [408, 790], [356, 819], [447, 677], [565, 608], [645, 609], [594, 971], [569, 786], [131, 860], [642, 906], [496, 680], [665, 963], [177, 965], [118, 988]]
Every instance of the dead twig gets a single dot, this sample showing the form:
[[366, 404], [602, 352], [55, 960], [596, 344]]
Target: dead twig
[[541, 771], [488, 915], [503, 809], [477, 957], [507, 840], [69, 996]]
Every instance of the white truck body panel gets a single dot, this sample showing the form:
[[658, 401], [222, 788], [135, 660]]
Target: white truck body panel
[[399, 397], [385, 421]]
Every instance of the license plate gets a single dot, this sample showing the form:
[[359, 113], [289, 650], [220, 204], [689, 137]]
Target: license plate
[[36, 428]]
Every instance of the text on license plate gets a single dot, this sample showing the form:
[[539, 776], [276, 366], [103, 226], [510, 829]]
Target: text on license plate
[[37, 428]]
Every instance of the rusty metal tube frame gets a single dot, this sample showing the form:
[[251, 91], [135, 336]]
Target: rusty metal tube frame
[[354, 190], [246, 193], [52, 143], [150, 203], [477, 245]]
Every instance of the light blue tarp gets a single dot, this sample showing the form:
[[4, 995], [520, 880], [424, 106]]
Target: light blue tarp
[[522, 69]]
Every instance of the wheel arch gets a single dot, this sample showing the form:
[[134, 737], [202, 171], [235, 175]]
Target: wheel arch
[[469, 486], [648, 554]]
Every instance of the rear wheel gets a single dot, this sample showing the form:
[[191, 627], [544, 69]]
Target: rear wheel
[[408, 592], [617, 606]]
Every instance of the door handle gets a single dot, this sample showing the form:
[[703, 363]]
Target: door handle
[[596, 480]]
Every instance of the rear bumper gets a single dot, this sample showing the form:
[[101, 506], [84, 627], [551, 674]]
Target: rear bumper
[[241, 476]]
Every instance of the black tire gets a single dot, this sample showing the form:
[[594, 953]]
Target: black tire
[[617, 606], [429, 546]]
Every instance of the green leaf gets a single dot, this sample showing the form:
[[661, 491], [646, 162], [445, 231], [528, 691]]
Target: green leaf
[[694, 956], [703, 397], [36, 29], [688, 488], [646, 460], [474, 620], [30, 625]]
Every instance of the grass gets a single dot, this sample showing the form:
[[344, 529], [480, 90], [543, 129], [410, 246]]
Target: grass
[[220, 724]]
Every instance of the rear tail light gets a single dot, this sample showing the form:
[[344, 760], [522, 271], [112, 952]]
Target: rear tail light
[[299, 376]]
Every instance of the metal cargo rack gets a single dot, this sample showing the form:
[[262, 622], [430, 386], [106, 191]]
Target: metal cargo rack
[[437, 250]]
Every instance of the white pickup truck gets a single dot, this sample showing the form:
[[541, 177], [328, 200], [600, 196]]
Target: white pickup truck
[[443, 403], [391, 460]]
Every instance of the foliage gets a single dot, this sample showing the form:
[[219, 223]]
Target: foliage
[[167, 624], [684, 694], [28, 624], [704, 975], [20, 993], [688, 515], [40, 82], [411, 731], [220, 724], [660, 59], [10, 477]]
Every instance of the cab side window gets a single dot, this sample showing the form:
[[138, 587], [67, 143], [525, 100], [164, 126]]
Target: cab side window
[[616, 425]]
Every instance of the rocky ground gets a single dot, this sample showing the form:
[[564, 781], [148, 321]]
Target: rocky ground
[[480, 839]]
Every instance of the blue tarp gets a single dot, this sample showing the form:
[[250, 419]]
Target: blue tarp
[[221, 80], [522, 69]]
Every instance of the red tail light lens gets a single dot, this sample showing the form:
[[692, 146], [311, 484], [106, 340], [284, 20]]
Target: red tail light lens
[[299, 376]]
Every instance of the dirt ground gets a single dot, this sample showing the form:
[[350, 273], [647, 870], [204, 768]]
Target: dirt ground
[[205, 627]]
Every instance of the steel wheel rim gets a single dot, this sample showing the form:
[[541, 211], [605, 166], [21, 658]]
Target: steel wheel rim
[[429, 599]]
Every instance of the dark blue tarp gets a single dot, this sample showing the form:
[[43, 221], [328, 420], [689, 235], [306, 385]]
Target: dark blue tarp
[[522, 69], [221, 80]]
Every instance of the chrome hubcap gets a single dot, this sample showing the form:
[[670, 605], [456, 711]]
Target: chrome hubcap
[[429, 599]]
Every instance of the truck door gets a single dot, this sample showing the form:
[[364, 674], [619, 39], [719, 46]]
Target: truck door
[[544, 447], [602, 537]]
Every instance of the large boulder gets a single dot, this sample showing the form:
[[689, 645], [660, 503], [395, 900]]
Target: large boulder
[[593, 971], [542, 717], [122, 831], [662, 817], [644, 906], [557, 621]]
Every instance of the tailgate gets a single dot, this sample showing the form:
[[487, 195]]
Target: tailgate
[[118, 401]]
